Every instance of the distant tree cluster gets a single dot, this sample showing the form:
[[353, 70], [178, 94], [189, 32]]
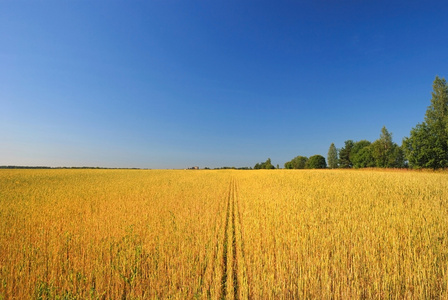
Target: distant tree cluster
[[316, 162], [427, 146], [232, 168], [264, 165], [298, 162], [382, 153], [303, 162], [25, 167], [46, 167]]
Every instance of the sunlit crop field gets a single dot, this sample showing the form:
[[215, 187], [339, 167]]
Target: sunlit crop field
[[227, 234]]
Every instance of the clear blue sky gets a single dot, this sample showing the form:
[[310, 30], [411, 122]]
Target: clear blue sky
[[174, 84]]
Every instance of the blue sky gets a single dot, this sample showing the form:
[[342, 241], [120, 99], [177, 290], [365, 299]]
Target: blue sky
[[173, 84]]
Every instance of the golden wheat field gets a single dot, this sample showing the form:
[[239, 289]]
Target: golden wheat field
[[224, 234]]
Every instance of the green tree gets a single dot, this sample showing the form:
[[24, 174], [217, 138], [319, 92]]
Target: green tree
[[297, 162], [386, 153], [437, 113], [344, 155], [382, 148], [264, 165], [399, 160], [357, 146], [424, 149], [427, 146], [332, 157], [361, 155], [364, 158], [268, 164], [316, 162]]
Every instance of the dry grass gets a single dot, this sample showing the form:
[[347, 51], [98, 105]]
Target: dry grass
[[134, 234]]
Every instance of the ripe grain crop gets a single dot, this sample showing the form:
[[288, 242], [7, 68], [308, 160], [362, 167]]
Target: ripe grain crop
[[345, 234], [109, 234], [264, 234]]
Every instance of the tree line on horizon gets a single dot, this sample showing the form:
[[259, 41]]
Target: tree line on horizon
[[425, 148], [382, 153]]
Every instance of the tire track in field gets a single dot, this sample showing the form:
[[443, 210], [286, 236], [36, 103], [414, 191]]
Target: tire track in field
[[225, 254], [234, 279], [210, 267], [211, 284], [234, 246], [244, 279]]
